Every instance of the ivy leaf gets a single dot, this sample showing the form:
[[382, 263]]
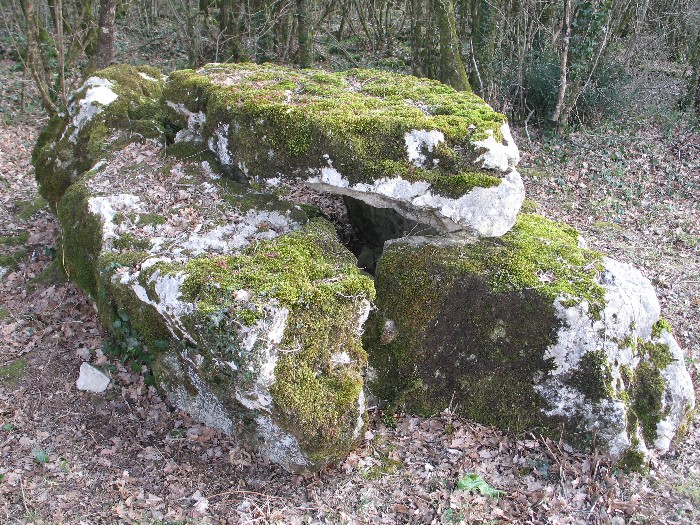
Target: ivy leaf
[[472, 482]]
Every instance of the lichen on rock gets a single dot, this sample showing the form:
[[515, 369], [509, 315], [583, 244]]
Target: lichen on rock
[[436, 155], [528, 331], [114, 106]]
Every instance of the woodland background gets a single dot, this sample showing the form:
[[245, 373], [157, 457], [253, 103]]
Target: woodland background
[[553, 63]]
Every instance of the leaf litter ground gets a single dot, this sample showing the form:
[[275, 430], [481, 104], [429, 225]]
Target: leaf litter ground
[[125, 456]]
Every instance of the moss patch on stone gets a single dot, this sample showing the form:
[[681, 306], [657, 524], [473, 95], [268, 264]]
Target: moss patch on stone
[[81, 239], [593, 376], [634, 459], [289, 268], [135, 115], [310, 274], [647, 386], [659, 326], [277, 119], [461, 345], [467, 326]]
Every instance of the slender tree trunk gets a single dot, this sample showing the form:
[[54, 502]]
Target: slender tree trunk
[[304, 35], [60, 49], [452, 69], [563, 67], [34, 58], [105, 34], [697, 97], [696, 76], [231, 48]]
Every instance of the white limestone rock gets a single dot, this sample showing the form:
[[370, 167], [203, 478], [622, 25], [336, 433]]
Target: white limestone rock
[[486, 212], [629, 334], [249, 137], [91, 379], [217, 351]]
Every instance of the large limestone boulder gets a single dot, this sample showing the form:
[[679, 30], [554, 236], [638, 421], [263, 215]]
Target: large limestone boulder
[[435, 155], [247, 308], [528, 331]]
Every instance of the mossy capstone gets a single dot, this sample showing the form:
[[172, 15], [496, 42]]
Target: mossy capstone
[[436, 155]]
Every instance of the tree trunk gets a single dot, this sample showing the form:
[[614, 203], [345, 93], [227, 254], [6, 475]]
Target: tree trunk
[[304, 35], [696, 77], [563, 67], [231, 46], [105, 34], [451, 69], [34, 57]]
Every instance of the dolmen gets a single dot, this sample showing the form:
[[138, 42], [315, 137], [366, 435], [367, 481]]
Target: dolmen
[[175, 198]]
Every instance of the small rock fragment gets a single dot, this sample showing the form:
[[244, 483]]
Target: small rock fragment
[[91, 379]]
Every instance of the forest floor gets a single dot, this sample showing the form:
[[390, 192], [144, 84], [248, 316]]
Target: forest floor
[[126, 456]]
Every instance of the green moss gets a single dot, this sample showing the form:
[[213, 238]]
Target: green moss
[[634, 459], [462, 183], [658, 354], [541, 255], [12, 260], [60, 157], [593, 376], [28, 209], [461, 345], [477, 338], [529, 206], [128, 241], [660, 326], [648, 387], [358, 118], [81, 235], [310, 274], [12, 372], [148, 219], [137, 331], [52, 274], [299, 257], [321, 408], [647, 395]]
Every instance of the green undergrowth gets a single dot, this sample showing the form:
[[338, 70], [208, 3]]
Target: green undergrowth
[[13, 259], [14, 240], [11, 372], [52, 274], [29, 208]]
